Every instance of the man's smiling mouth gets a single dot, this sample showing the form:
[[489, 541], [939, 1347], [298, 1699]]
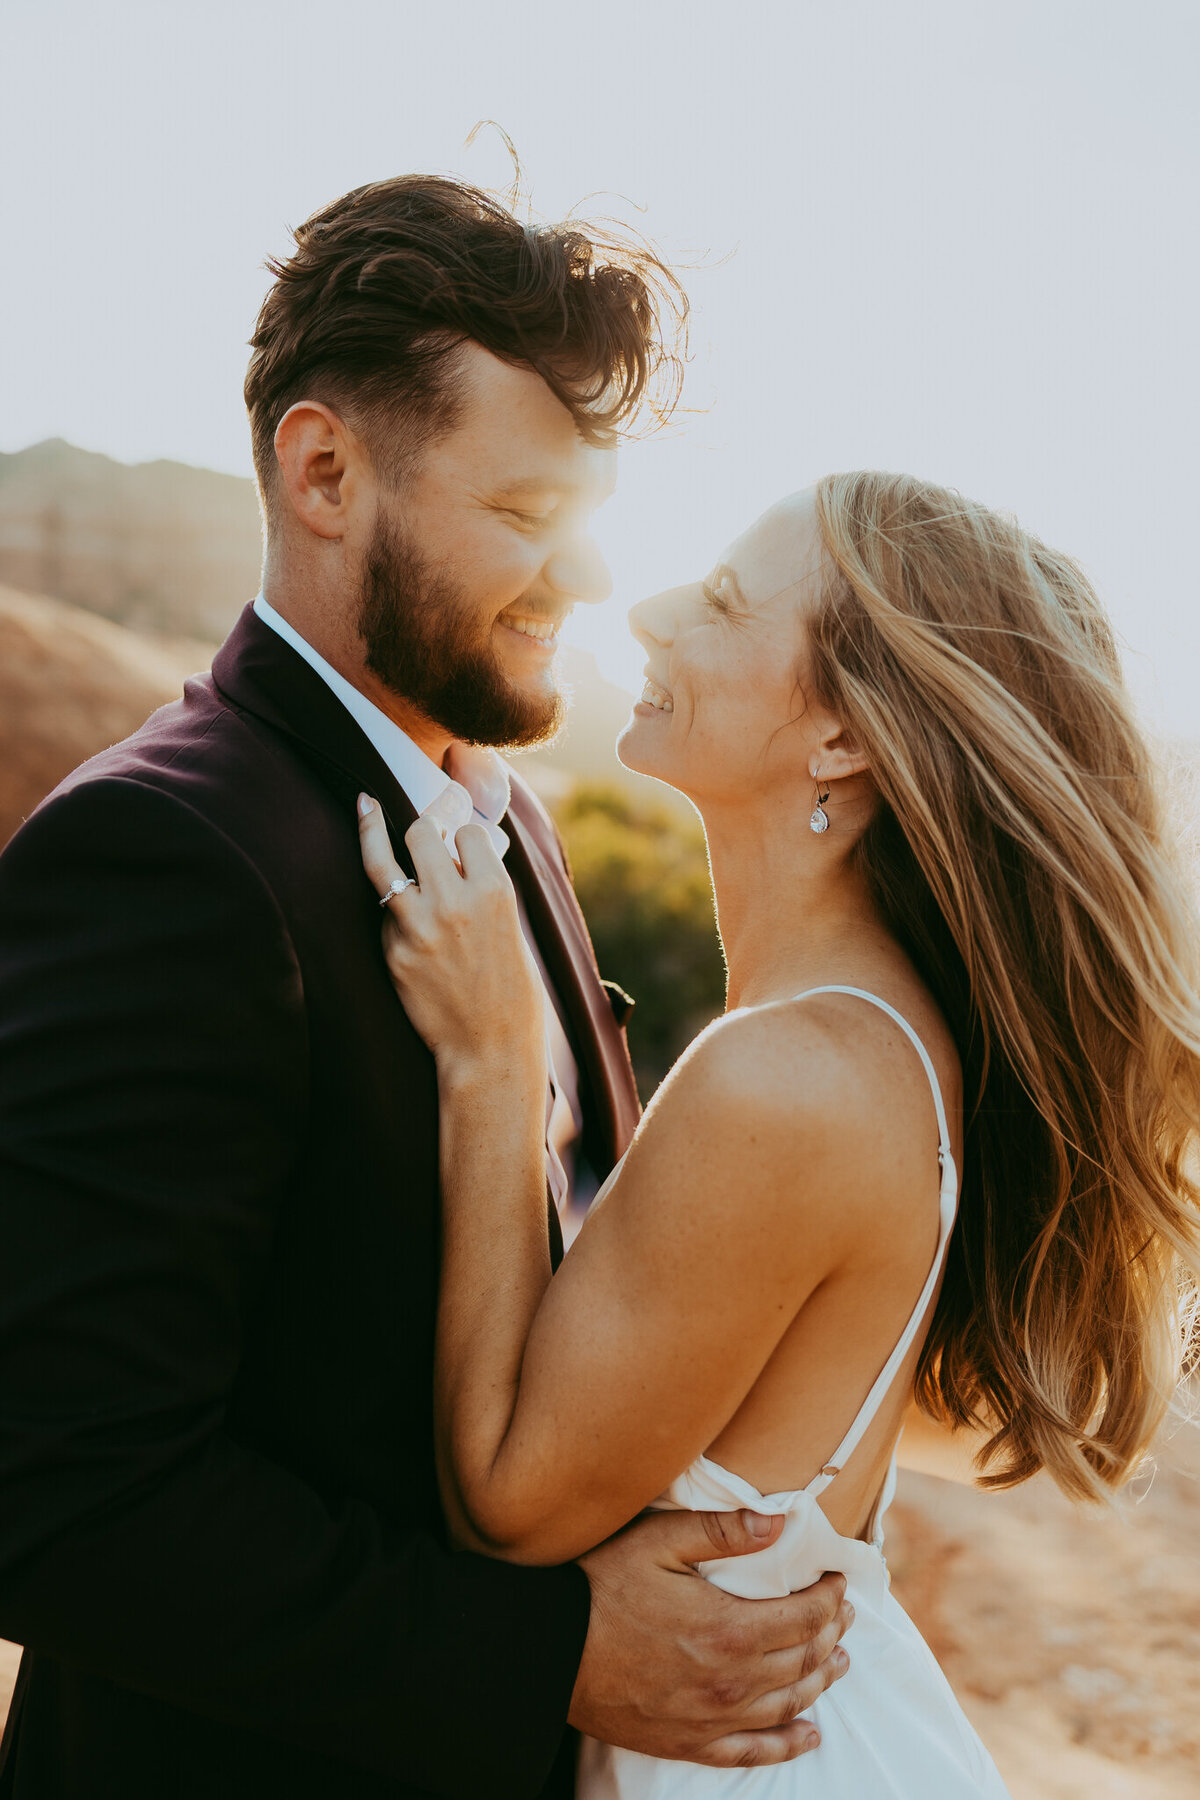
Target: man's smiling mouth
[[656, 696], [539, 627]]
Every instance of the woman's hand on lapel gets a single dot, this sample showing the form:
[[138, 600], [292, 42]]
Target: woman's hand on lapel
[[455, 950]]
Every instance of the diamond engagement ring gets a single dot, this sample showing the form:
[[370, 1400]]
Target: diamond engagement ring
[[398, 886]]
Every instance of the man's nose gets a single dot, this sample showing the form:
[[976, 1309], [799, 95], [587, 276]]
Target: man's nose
[[578, 571]]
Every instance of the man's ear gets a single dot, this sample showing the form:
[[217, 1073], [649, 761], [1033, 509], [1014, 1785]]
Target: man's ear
[[319, 461]]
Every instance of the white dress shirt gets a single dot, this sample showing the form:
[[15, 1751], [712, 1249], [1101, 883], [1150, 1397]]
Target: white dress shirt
[[477, 788]]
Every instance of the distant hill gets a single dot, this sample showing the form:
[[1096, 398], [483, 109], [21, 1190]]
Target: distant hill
[[157, 546]]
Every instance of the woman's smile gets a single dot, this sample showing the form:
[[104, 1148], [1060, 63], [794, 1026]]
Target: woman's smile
[[654, 698]]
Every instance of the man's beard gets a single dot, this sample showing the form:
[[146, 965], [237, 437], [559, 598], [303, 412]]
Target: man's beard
[[425, 646]]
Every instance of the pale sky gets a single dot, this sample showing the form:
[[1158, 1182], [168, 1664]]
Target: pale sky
[[954, 238]]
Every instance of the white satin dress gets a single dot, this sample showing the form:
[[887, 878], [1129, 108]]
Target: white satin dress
[[891, 1728]]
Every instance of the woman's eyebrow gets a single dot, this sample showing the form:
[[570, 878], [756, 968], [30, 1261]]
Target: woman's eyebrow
[[723, 573]]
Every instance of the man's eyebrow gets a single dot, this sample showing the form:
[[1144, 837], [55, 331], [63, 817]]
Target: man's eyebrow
[[552, 484], [525, 484]]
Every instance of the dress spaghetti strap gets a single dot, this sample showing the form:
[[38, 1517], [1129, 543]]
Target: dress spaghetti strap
[[948, 1202]]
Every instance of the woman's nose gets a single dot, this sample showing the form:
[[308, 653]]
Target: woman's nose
[[652, 621]]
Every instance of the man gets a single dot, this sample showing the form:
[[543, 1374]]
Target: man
[[220, 1531]]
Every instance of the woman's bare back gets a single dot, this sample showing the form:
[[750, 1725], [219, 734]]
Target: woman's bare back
[[828, 1358]]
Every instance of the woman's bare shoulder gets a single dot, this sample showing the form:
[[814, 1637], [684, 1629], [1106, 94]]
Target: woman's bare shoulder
[[820, 1102]]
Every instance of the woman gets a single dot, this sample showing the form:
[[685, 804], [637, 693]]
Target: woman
[[938, 861]]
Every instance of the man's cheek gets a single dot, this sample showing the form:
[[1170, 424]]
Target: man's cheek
[[491, 568]]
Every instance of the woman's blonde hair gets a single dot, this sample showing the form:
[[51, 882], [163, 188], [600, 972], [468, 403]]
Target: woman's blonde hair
[[1019, 854]]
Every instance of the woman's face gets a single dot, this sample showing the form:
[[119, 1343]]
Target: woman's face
[[724, 712]]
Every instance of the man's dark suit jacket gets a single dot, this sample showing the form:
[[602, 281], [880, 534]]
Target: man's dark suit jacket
[[220, 1535]]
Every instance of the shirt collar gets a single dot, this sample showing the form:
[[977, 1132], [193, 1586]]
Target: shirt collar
[[473, 785]]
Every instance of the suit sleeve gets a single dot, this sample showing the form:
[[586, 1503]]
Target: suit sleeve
[[153, 1075]]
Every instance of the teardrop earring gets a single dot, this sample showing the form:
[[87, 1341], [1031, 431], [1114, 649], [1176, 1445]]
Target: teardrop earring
[[820, 818]]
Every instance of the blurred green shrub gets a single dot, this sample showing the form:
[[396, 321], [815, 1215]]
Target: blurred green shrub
[[641, 873]]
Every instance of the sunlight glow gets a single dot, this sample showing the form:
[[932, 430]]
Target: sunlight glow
[[943, 238]]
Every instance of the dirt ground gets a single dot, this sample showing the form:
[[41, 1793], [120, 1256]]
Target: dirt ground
[[1071, 1638]]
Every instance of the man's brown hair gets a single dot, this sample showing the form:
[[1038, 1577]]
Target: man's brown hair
[[387, 282]]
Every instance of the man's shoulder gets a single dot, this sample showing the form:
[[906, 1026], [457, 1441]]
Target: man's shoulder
[[187, 807], [208, 758], [197, 732]]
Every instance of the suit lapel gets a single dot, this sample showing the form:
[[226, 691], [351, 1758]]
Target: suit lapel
[[564, 942], [258, 673]]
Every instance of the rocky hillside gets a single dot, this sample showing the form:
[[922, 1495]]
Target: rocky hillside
[[70, 685], [158, 546]]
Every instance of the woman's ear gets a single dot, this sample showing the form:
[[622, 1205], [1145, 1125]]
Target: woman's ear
[[318, 463], [838, 756]]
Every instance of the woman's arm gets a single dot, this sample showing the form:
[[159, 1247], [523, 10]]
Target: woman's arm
[[495, 1268], [565, 1406]]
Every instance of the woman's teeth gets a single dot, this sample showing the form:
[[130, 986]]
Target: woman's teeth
[[544, 630], [653, 695]]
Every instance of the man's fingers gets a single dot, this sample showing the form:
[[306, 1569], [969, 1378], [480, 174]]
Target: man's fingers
[[752, 1749], [783, 1668], [793, 1622], [703, 1536], [783, 1705]]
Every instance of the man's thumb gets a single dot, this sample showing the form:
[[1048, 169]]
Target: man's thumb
[[704, 1536]]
